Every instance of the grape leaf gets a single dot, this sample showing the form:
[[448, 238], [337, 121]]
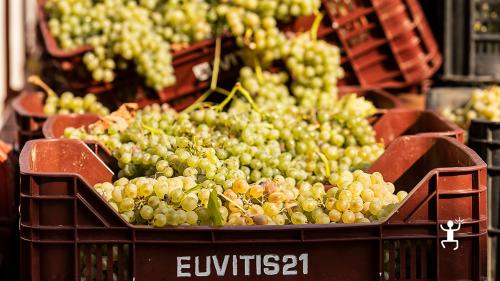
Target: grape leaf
[[214, 209]]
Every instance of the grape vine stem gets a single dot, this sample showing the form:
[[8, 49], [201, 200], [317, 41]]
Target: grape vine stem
[[315, 25], [325, 161], [36, 80], [215, 74], [233, 202]]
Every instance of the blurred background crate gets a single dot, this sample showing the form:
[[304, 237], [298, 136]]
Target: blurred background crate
[[387, 44], [468, 32]]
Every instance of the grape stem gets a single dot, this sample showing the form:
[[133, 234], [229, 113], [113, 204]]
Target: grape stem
[[246, 39], [203, 97], [248, 96], [258, 70], [37, 81], [233, 202], [191, 190], [228, 98], [244, 92], [198, 102], [315, 25], [215, 74], [152, 130], [325, 161]]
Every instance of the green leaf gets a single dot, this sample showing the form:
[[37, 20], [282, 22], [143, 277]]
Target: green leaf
[[214, 209]]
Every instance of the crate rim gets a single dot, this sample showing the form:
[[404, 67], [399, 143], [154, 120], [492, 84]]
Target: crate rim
[[48, 124], [19, 109]]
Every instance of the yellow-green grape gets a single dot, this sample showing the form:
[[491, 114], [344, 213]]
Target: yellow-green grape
[[191, 218], [298, 218], [160, 220], [402, 195], [130, 191], [146, 212], [348, 217], [189, 203], [181, 216], [309, 204], [127, 204], [335, 215]]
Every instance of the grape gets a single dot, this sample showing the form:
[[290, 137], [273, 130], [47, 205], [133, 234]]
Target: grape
[[154, 202], [145, 190], [127, 204], [191, 218], [335, 215], [146, 212], [130, 190], [309, 205], [298, 218], [402, 195], [181, 216], [348, 217], [189, 203], [159, 220]]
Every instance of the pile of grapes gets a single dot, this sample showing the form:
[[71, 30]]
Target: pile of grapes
[[246, 162], [260, 157], [145, 32], [483, 104], [67, 103], [355, 197]]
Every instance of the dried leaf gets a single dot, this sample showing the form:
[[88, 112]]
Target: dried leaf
[[121, 118]]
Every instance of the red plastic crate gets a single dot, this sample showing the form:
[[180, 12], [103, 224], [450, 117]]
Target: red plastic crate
[[8, 179], [400, 122], [385, 43], [9, 253], [28, 111], [64, 222], [9, 203]]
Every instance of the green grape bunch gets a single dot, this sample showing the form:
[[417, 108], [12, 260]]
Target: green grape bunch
[[68, 103], [144, 33], [315, 68], [222, 146], [483, 104]]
